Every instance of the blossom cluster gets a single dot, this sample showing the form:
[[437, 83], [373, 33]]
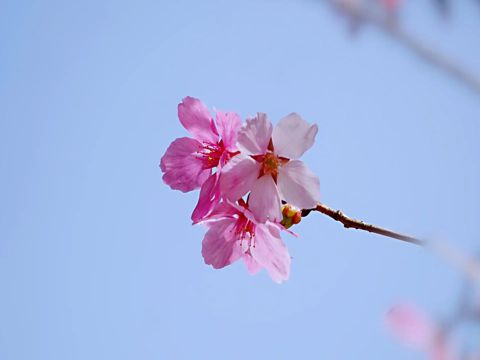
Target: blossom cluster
[[246, 174]]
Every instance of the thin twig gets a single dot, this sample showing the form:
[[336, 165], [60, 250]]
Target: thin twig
[[468, 265], [348, 222], [363, 14], [434, 57]]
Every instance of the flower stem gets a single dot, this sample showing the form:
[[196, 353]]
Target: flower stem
[[348, 222]]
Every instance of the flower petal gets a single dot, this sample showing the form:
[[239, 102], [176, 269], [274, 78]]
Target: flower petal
[[298, 185], [228, 124], [253, 267], [410, 326], [442, 350], [222, 210], [209, 197], [254, 136], [237, 177], [264, 200], [182, 169], [220, 246], [292, 136], [271, 253], [196, 118]]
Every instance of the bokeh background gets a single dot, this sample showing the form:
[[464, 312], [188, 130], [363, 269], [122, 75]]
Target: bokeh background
[[98, 259]]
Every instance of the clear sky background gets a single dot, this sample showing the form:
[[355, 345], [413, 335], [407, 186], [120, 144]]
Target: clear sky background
[[98, 259]]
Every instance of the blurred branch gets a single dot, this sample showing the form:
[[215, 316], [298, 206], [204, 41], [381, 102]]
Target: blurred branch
[[469, 267], [361, 13]]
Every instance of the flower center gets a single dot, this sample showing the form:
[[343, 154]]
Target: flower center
[[246, 233], [210, 154], [213, 155], [270, 164]]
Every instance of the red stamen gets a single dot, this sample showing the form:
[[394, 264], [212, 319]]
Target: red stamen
[[211, 154], [246, 231]]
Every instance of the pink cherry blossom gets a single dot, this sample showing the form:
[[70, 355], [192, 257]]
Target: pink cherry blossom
[[269, 169], [234, 233], [391, 5], [411, 326], [188, 162], [416, 330]]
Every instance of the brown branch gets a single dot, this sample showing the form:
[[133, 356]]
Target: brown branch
[[363, 14], [348, 222]]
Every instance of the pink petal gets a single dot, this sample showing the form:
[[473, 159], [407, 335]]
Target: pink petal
[[220, 246], [238, 176], [209, 197], [298, 185], [223, 210], [271, 253], [253, 138], [196, 118], [441, 350], [264, 200], [391, 5], [410, 326], [283, 228], [292, 136], [253, 267], [247, 213], [228, 124], [182, 169]]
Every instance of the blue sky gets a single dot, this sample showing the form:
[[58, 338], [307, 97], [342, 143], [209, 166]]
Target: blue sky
[[98, 259]]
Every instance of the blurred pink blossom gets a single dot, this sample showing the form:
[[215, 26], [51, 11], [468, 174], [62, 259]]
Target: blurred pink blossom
[[391, 5], [415, 329]]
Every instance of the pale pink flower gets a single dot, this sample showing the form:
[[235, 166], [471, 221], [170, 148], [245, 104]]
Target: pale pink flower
[[391, 5], [188, 162], [269, 167], [233, 233], [415, 329]]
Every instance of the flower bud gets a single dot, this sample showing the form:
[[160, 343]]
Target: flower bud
[[291, 216]]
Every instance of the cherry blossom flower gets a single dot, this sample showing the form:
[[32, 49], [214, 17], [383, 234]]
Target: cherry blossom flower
[[414, 329], [391, 5], [188, 161], [234, 233], [356, 5], [269, 169]]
